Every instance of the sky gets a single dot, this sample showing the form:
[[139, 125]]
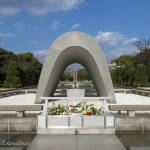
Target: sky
[[33, 25]]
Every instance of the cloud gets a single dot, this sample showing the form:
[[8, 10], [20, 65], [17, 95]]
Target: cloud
[[55, 25], [36, 7], [121, 51], [108, 39], [7, 35], [21, 26], [116, 44], [129, 41], [1, 22], [7, 10], [75, 26], [34, 42], [40, 54]]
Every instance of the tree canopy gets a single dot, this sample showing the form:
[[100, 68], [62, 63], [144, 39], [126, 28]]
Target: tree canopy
[[134, 72], [140, 78], [13, 76], [28, 67], [83, 75]]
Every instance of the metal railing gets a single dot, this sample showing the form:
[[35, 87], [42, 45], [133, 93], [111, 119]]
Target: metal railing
[[75, 98]]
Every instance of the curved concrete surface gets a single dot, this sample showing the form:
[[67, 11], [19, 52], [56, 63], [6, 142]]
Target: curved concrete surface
[[75, 47]]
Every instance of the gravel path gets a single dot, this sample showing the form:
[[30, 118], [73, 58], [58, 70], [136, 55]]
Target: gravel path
[[121, 98], [132, 99], [23, 99]]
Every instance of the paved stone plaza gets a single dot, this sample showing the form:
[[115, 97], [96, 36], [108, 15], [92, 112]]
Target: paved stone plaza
[[76, 142]]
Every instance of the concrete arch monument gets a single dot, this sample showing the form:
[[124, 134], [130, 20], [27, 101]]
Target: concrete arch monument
[[75, 47]]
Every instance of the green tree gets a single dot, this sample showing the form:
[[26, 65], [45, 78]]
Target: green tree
[[120, 75], [130, 75], [5, 58], [13, 76], [63, 77], [36, 67], [123, 75], [122, 60], [83, 75], [30, 68], [69, 76], [128, 65], [140, 77], [66, 76], [113, 74], [143, 58]]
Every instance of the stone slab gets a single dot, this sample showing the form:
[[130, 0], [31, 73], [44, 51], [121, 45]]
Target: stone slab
[[129, 107], [128, 127], [24, 120], [11, 148], [22, 127], [139, 148], [74, 142], [84, 131], [26, 124], [128, 120], [21, 107]]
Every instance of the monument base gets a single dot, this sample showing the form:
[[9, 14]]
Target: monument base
[[75, 130], [76, 124]]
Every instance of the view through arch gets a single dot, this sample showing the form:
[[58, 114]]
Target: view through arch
[[75, 76]]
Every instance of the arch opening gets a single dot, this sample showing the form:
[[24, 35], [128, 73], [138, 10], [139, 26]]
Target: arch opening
[[75, 54]]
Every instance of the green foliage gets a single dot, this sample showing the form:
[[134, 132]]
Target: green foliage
[[13, 76], [143, 58], [130, 76], [122, 60], [59, 110], [28, 66], [120, 74], [83, 75], [67, 76], [5, 58], [91, 110], [114, 76], [140, 77], [30, 69], [127, 74], [25, 57]]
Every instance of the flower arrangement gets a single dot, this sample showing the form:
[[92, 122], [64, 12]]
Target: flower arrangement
[[91, 110], [66, 110], [59, 110], [74, 108]]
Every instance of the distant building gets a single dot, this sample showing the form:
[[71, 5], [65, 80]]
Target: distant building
[[114, 66], [75, 74]]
